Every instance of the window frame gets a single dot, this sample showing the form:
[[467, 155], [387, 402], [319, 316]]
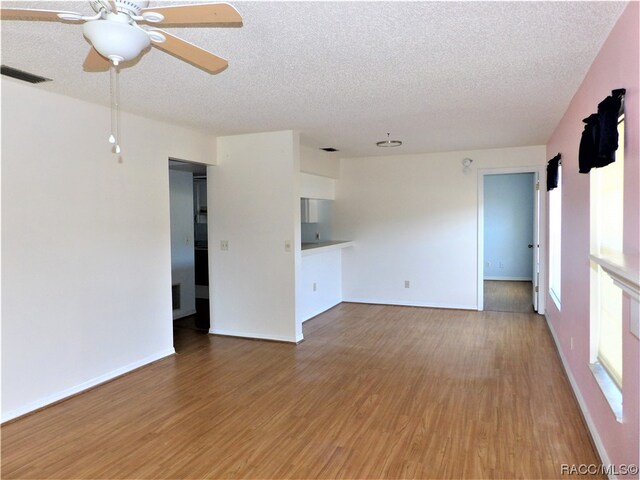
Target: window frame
[[610, 382], [555, 242]]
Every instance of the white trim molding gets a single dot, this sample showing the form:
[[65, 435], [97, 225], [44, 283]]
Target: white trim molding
[[256, 336], [89, 384], [540, 171], [320, 310], [508, 279], [403, 303], [604, 457], [624, 270]]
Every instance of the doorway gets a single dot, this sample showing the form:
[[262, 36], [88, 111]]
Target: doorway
[[189, 250], [509, 233]]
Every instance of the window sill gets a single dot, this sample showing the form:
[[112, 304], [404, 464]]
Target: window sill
[[609, 389], [623, 269]]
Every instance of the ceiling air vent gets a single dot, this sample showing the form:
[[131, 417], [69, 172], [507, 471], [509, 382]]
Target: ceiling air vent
[[24, 76], [330, 149]]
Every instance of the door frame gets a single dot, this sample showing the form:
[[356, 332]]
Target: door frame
[[539, 216], [208, 173]]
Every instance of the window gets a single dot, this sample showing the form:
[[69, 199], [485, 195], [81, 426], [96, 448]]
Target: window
[[606, 298], [555, 236]]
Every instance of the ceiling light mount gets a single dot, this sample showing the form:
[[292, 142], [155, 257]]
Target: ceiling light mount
[[388, 142], [466, 165], [132, 7]]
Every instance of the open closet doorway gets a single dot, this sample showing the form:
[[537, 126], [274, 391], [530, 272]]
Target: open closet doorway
[[189, 249], [509, 241]]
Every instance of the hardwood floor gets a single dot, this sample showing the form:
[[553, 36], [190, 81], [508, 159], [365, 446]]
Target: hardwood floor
[[373, 392], [508, 296]]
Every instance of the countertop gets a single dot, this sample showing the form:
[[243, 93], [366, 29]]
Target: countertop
[[320, 247]]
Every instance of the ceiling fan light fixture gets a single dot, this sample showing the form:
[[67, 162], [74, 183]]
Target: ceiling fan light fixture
[[117, 41], [116, 37], [388, 142]]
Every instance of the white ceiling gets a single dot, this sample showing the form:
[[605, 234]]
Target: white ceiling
[[438, 75]]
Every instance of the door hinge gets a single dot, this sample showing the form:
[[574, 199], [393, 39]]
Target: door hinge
[[537, 186], [536, 289]]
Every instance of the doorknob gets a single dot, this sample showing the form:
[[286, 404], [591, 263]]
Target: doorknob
[[530, 245]]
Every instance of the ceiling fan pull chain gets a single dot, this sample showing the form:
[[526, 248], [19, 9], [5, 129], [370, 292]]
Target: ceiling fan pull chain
[[114, 138], [117, 108], [112, 82]]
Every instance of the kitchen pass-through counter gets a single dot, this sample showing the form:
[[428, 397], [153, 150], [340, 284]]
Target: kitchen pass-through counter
[[320, 286], [321, 247]]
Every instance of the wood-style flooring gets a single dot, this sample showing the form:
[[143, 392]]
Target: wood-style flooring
[[508, 296], [373, 392]]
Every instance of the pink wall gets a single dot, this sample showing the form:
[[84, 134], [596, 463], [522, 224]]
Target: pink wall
[[616, 66]]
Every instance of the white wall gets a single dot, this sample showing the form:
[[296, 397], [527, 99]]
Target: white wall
[[86, 290], [316, 186], [319, 162], [508, 226], [414, 217], [182, 254], [254, 199]]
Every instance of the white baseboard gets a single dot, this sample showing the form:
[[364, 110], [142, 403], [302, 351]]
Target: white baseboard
[[402, 303], [61, 395], [581, 402], [320, 310], [510, 279], [259, 336]]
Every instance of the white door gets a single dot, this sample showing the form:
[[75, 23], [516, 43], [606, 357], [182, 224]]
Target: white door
[[535, 242]]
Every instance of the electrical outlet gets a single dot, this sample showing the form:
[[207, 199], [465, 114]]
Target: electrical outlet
[[407, 284], [501, 265], [224, 245], [315, 287]]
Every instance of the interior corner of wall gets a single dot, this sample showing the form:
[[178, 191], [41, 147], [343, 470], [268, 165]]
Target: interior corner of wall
[[213, 150]]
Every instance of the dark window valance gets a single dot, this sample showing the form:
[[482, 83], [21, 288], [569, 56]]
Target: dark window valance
[[552, 172], [600, 136]]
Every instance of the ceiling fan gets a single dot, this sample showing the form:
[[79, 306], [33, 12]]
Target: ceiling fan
[[120, 30]]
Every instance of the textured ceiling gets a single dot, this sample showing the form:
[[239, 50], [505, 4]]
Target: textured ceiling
[[438, 75]]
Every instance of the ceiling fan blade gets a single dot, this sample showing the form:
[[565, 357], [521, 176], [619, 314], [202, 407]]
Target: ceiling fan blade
[[32, 14], [206, 14], [95, 62], [190, 53]]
